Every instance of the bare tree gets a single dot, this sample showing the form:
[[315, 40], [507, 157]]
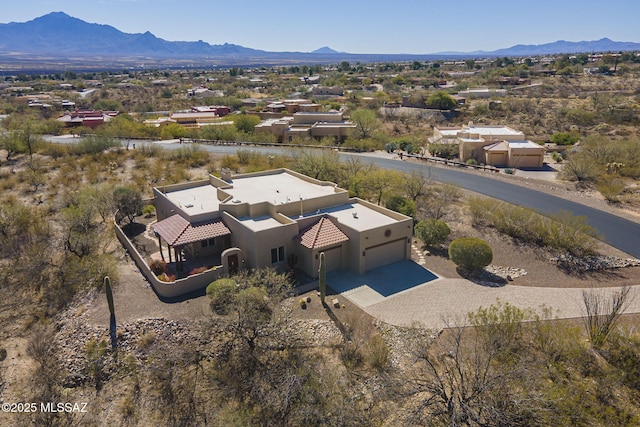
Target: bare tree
[[472, 374], [603, 312]]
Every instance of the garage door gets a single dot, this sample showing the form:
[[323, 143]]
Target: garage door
[[387, 253], [527, 161]]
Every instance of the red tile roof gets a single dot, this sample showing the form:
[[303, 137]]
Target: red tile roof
[[177, 231], [321, 234]]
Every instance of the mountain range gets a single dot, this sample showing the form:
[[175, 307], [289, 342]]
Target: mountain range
[[62, 37]]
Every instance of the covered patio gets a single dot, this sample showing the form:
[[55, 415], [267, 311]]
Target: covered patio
[[186, 241]]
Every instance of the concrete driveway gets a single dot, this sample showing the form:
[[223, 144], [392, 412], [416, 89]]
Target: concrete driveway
[[405, 292]]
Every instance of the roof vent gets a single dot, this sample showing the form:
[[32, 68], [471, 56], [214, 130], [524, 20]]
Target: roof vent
[[355, 215]]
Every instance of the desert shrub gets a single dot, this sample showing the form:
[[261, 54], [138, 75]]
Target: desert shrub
[[246, 122], [432, 232], [158, 266], [472, 162], [447, 151], [376, 353], [401, 204], [148, 211], [581, 117], [470, 254], [610, 187], [390, 147], [222, 293], [147, 339], [564, 138], [581, 168], [165, 277], [557, 157], [151, 150], [569, 233], [190, 155], [95, 144], [562, 231]]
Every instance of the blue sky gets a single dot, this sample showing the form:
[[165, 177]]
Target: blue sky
[[356, 26]]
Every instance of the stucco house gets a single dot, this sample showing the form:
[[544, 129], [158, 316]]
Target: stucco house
[[88, 118], [491, 145], [514, 154], [281, 219], [308, 124]]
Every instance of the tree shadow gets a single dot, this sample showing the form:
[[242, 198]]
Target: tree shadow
[[134, 229], [483, 278]]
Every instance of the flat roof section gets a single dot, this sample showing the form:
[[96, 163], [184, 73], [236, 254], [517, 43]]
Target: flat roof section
[[358, 217], [492, 130], [277, 189], [524, 144], [260, 223], [195, 200]]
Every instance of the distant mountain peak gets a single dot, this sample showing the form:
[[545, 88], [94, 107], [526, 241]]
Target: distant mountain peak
[[325, 49]]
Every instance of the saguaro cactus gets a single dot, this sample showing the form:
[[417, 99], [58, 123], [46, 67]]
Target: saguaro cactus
[[107, 289], [323, 278], [112, 314]]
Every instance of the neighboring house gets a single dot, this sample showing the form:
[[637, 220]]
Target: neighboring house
[[281, 219], [482, 93], [492, 145], [327, 91], [250, 102], [204, 92], [88, 118], [308, 124], [220, 110], [194, 119], [514, 154]]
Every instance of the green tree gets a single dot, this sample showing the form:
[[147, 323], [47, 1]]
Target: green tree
[[246, 122], [128, 202], [446, 151], [366, 123], [441, 100], [222, 294], [401, 204], [470, 254], [564, 138], [432, 232]]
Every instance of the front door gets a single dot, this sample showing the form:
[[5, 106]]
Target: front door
[[232, 263]]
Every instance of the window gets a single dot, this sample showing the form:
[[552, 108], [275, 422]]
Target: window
[[277, 255], [208, 242]]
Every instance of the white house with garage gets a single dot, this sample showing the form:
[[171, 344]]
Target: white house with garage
[[279, 218]]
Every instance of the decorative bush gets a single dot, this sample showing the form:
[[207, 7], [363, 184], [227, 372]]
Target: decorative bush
[[197, 270], [432, 232], [303, 303], [158, 266], [470, 254], [222, 293], [164, 277], [148, 211]]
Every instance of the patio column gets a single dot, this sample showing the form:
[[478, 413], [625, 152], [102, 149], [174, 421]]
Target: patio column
[[160, 245]]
